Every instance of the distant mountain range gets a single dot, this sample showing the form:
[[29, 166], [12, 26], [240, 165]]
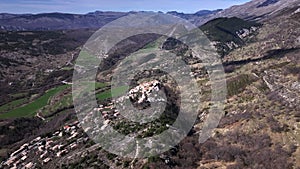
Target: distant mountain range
[[57, 21], [63, 21], [255, 10]]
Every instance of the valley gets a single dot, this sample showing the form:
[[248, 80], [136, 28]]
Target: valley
[[257, 42]]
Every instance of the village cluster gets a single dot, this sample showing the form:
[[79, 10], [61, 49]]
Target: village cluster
[[62, 142], [109, 112], [145, 89], [45, 149]]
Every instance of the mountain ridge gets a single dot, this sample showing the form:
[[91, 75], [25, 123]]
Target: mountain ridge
[[61, 21], [255, 10]]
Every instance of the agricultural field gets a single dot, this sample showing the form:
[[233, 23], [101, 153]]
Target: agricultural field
[[31, 108]]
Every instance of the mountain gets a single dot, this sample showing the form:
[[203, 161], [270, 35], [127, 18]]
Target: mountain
[[63, 21], [279, 33], [261, 122], [226, 34], [257, 10], [229, 33], [267, 3], [193, 17], [207, 12], [236, 26], [57, 21], [263, 85]]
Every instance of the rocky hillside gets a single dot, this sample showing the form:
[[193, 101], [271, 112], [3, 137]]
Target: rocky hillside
[[261, 123], [258, 10], [194, 17], [228, 34]]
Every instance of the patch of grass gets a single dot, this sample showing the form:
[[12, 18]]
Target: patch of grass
[[12, 105], [86, 58], [151, 45], [67, 68], [118, 91], [31, 108], [99, 85], [64, 103], [87, 87]]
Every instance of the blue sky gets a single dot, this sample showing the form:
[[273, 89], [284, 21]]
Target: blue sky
[[84, 6]]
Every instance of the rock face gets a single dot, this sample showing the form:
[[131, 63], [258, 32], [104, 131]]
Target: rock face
[[267, 3]]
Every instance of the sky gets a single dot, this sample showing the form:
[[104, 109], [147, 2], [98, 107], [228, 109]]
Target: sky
[[85, 6]]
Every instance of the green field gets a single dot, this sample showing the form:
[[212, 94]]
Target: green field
[[86, 58], [12, 105], [99, 85], [17, 108], [66, 101], [118, 91], [31, 108]]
